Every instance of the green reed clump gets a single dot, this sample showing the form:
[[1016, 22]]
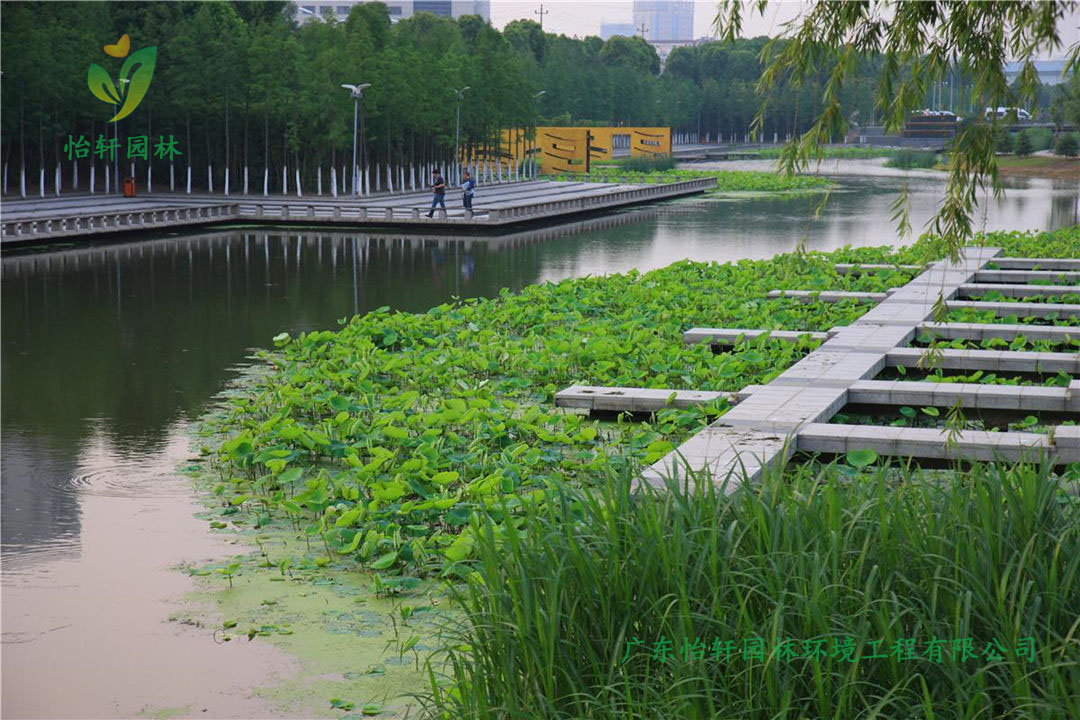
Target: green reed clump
[[771, 603], [910, 159]]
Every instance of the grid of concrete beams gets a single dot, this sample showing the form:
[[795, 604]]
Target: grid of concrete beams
[[771, 422]]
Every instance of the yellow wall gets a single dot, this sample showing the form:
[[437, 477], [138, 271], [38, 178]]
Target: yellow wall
[[650, 141], [601, 146], [569, 149], [563, 149]]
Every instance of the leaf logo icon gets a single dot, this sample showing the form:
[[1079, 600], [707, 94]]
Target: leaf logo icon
[[135, 77], [120, 49]]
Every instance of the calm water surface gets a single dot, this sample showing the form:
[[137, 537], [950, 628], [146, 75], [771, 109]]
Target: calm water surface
[[110, 353]]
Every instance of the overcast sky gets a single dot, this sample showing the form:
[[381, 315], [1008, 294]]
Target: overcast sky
[[583, 17]]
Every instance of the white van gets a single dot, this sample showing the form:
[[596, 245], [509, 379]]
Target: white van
[[1001, 112]]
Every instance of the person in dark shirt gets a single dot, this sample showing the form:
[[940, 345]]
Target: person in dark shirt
[[468, 189], [438, 189]]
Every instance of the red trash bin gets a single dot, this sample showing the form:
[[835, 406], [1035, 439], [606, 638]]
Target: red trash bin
[[129, 187]]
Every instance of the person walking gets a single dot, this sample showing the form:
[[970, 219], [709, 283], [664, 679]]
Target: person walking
[[438, 189], [468, 189]]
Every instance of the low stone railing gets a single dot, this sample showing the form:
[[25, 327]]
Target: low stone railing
[[113, 221]]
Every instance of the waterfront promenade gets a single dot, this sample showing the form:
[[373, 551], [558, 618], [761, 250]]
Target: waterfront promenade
[[41, 220]]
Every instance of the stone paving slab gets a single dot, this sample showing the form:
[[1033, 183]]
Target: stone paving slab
[[1020, 309], [785, 408], [987, 331], [1007, 263], [975, 290], [929, 443], [728, 457], [970, 395], [832, 367], [859, 268], [992, 360], [730, 336], [626, 399], [1067, 437], [828, 296], [1058, 277]]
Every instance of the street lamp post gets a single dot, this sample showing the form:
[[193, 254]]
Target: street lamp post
[[357, 92], [457, 134]]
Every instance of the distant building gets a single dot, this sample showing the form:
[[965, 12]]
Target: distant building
[[665, 21], [610, 30], [399, 9], [1049, 71]]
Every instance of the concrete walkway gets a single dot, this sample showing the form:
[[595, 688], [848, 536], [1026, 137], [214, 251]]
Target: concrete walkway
[[42, 220]]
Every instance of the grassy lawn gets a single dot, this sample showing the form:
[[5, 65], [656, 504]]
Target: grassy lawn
[[1039, 166]]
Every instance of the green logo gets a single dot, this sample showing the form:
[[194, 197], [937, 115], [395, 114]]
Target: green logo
[[134, 81]]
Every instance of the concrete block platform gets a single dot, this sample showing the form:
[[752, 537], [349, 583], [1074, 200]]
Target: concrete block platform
[[990, 360], [828, 296], [1057, 277], [929, 443], [731, 336], [1006, 263], [1019, 309], [1033, 398], [792, 412], [976, 290], [858, 269], [989, 331], [625, 399]]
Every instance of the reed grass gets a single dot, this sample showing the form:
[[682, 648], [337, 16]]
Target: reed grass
[[812, 556], [913, 159]]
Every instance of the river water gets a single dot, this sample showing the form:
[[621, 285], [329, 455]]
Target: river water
[[111, 352]]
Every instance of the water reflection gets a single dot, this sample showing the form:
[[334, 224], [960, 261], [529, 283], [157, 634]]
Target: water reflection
[[107, 346]]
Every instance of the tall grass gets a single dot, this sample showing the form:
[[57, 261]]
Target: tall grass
[[645, 164], [809, 558], [910, 159]]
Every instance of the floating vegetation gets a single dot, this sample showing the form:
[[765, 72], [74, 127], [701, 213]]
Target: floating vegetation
[[382, 445]]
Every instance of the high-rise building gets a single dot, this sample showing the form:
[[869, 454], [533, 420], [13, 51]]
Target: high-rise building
[[664, 21], [399, 9]]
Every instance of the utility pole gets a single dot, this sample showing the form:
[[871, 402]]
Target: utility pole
[[643, 30], [541, 12]]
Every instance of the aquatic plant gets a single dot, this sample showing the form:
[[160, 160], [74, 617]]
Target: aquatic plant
[[382, 443], [835, 591], [912, 159]]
